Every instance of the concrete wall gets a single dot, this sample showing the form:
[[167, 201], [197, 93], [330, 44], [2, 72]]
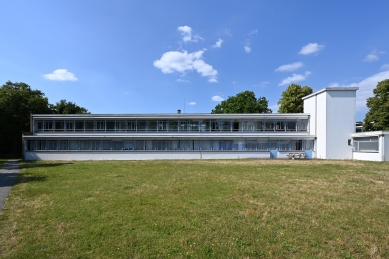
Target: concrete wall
[[340, 122], [367, 156], [143, 155], [321, 124]]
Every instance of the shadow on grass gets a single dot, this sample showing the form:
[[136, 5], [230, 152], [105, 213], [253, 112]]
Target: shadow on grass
[[25, 178], [35, 164]]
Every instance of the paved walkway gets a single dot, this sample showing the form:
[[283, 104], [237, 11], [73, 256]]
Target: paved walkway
[[7, 179]]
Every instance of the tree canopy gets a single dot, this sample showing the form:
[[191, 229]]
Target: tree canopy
[[17, 102], [377, 118], [291, 99], [244, 102], [65, 107]]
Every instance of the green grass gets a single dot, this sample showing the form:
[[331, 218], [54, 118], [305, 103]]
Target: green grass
[[198, 209]]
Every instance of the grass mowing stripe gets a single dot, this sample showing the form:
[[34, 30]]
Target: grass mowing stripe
[[199, 209]]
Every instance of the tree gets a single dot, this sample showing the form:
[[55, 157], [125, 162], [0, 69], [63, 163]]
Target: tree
[[244, 102], [65, 107], [17, 101], [291, 100], [377, 118]]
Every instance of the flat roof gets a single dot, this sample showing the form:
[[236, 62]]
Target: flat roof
[[370, 133], [332, 89], [176, 116]]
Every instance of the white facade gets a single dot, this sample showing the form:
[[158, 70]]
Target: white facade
[[371, 146], [326, 130], [332, 121]]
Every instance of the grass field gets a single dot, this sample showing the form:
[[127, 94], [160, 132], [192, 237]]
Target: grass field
[[198, 209]]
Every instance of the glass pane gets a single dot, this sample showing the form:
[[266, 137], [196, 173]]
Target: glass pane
[[173, 125], [100, 125], [89, 125], [110, 125], [73, 145], [59, 125], [79, 125], [120, 125]]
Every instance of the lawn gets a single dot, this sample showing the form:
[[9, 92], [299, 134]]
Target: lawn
[[198, 209]]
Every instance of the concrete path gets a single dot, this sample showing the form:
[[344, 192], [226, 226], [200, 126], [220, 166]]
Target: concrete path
[[7, 179]]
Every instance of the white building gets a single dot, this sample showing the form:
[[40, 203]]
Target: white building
[[325, 130]]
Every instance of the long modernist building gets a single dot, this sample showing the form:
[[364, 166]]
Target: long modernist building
[[324, 130]]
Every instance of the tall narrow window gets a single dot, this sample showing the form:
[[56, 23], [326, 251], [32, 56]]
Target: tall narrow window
[[59, 125], [100, 125], [69, 125], [79, 124]]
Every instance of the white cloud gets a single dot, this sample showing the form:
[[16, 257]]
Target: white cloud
[[186, 32], [253, 32], [261, 84], [371, 58], [176, 61], [290, 67], [228, 32], [385, 67], [366, 87], [217, 98], [311, 48], [218, 44], [274, 107], [192, 103], [247, 49], [295, 78], [125, 93], [60, 75], [182, 80]]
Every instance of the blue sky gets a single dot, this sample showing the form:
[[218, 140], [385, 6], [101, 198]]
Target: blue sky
[[160, 56]]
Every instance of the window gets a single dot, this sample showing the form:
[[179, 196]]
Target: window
[[302, 125], [296, 145], [128, 145], [131, 126], [269, 125], [100, 125], [141, 125], [106, 145], [48, 125], [152, 125], [259, 126], [31, 145], [38, 126], [291, 125], [79, 125], [120, 125], [162, 125], [95, 144], [110, 125], [84, 145], [117, 145], [205, 125], [90, 125], [63, 145], [41, 145], [184, 125], [59, 125], [52, 145], [69, 125], [173, 125], [73, 145], [366, 144], [280, 126], [248, 125], [194, 125]]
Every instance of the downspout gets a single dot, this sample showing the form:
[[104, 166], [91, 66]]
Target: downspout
[[383, 148]]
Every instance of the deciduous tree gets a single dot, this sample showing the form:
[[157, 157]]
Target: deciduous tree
[[377, 118], [65, 107], [244, 102], [291, 100]]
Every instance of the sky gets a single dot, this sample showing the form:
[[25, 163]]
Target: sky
[[123, 57]]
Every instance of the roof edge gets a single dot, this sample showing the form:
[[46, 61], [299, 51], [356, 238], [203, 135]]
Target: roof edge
[[331, 89]]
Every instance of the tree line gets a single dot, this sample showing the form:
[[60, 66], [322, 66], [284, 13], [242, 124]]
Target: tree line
[[17, 102]]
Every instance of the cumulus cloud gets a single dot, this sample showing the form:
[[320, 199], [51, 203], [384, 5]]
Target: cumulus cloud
[[217, 98], [176, 61], [385, 67], [311, 48], [289, 67], [371, 58], [186, 33], [60, 75], [247, 49], [218, 44], [366, 87], [295, 78], [192, 103]]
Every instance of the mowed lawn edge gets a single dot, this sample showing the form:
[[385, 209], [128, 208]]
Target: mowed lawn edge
[[198, 209]]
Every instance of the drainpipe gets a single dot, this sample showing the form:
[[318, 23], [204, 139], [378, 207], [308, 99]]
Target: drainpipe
[[383, 148]]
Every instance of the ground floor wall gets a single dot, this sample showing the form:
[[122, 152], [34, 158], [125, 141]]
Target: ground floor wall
[[142, 155], [367, 156]]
